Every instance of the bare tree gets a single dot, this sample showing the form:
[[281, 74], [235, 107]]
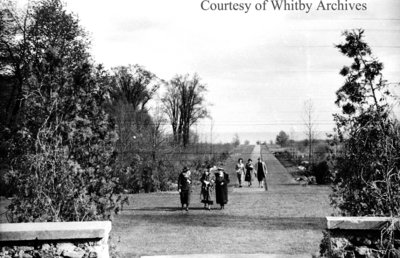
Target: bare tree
[[130, 89], [134, 85], [184, 104], [310, 126], [171, 102]]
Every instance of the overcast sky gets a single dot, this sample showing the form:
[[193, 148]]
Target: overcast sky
[[260, 67]]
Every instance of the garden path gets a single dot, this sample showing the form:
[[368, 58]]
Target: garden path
[[288, 219]]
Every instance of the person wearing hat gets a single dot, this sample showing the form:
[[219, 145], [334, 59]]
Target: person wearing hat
[[249, 170], [261, 169], [207, 185], [184, 187], [221, 187]]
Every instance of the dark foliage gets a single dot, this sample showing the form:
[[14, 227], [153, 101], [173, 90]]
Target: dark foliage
[[367, 170], [321, 172], [58, 138]]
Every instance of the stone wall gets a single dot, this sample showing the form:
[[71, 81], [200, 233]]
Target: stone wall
[[55, 239], [361, 237]]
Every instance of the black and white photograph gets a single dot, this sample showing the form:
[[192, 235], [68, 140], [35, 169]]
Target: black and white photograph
[[200, 128]]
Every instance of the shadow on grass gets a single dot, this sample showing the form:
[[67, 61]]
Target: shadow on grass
[[171, 209], [215, 218]]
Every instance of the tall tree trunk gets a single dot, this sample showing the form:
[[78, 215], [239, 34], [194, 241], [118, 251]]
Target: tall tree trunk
[[186, 135], [175, 132]]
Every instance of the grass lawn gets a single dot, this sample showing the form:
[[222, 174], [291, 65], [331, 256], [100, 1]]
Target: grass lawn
[[288, 218]]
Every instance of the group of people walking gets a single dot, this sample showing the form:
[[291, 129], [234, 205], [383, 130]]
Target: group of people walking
[[248, 170], [209, 182], [216, 179]]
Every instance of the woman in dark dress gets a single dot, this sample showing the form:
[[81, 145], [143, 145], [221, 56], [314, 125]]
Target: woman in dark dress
[[249, 171], [184, 187], [221, 187]]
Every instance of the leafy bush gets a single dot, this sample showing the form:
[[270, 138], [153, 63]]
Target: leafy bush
[[66, 173], [61, 142], [321, 172], [367, 178], [367, 171]]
